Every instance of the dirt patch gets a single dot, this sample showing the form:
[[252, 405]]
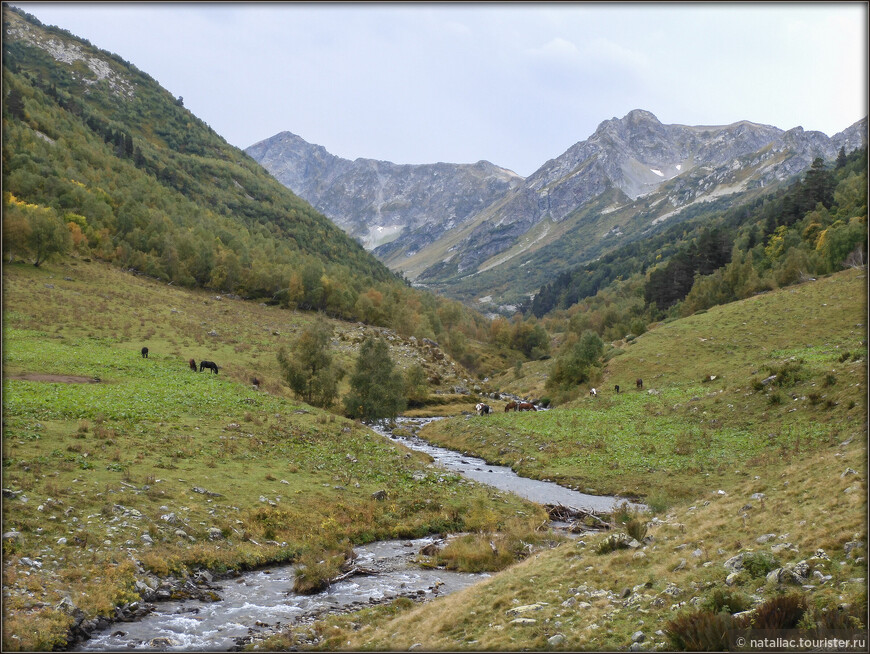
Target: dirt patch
[[56, 379]]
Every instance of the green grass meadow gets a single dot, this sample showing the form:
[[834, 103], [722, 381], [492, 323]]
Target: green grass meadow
[[97, 466]]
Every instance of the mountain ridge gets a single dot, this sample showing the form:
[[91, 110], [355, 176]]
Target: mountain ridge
[[649, 168]]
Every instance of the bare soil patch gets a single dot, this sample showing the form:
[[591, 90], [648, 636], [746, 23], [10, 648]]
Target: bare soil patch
[[57, 379]]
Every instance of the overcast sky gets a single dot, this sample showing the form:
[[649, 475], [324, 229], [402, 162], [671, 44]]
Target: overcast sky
[[515, 84]]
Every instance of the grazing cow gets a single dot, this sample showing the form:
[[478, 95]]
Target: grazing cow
[[255, 382], [593, 393], [526, 406], [192, 364], [616, 388], [144, 352], [639, 383], [510, 406], [208, 364], [483, 409]]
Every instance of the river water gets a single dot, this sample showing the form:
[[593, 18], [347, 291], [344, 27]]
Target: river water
[[263, 601]]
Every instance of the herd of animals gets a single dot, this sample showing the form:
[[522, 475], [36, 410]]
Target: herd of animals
[[203, 365], [483, 409]]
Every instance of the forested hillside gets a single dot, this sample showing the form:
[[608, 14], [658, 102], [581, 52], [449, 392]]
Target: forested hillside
[[810, 228], [100, 162]]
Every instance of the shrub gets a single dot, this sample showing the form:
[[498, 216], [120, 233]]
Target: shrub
[[612, 543], [636, 529], [780, 612], [316, 570], [758, 564], [700, 631], [787, 373], [723, 599]]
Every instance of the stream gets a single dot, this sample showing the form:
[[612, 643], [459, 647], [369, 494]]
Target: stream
[[261, 602]]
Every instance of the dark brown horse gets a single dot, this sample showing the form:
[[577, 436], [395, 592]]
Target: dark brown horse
[[144, 352], [211, 365], [192, 364], [639, 383], [526, 406], [510, 406]]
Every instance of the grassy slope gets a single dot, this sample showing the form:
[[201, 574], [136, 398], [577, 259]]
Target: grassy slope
[[678, 447], [100, 463], [634, 443]]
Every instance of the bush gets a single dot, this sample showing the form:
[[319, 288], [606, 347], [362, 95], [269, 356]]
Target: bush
[[726, 600], [758, 564], [700, 631], [780, 612]]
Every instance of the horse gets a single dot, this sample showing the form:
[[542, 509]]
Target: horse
[[192, 364], [639, 383], [144, 352], [526, 406], [208, 364], [483, 409], [616, 388], [255, 383], [593, 393], [510, 406]]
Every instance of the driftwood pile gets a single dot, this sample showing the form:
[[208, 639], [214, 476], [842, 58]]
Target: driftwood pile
[[579, 520]]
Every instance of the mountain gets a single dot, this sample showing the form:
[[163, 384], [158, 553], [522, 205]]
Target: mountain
[[395, 210], [624, 182]]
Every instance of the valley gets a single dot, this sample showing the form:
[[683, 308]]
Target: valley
[[156, 472], [243, 416]]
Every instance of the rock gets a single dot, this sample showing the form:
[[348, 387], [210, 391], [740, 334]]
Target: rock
[[779, 547], [215, 534], [698, 553], [791, 573], [680, 565], [519, 610], [555, 641], [380, 495], [735, 563], [761, 540], [731, 579], [848, 471], [61, 541], [415, 646], [430, 550], [13, 537], [523, 621], [162, 642], [849, 548], [10, 494], [638, 637], [758, 496], [147, 539], [171, 518]]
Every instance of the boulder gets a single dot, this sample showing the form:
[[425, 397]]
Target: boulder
[[555, 641], [380, 495]]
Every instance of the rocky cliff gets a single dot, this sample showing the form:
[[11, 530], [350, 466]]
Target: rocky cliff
[[393, 209], [637, 155], [466, 230]]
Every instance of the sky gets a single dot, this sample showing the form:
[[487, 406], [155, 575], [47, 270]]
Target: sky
[[515, 84]]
